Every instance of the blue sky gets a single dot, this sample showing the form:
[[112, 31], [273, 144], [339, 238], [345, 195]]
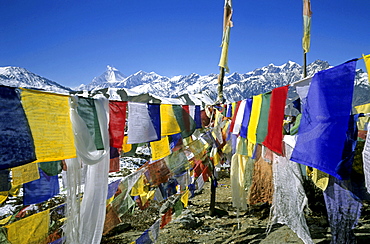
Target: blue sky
[[71, 41]]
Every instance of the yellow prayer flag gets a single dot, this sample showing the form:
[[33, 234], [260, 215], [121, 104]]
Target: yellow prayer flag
[[32, 229], [139, 187], [161, 148], [253, 120], [365, 108], [5, 221], [3, 196], [363, 121], [367, 64], [250, 149], [306, 25], [25, 173], [148, 196], [169, 125], [14, 191], [185, 197], [126, 147], [109, 201], [233, 107], [49, 118], [226, 35]]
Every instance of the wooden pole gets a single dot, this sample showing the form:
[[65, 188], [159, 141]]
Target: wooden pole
[[304, 64], [220, 93]]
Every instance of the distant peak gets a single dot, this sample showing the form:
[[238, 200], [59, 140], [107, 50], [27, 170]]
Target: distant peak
[[111, 68]]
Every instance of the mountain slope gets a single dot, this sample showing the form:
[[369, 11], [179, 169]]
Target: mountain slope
[[20, 77]]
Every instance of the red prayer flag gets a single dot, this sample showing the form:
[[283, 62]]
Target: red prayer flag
[[234, 116], [166, 218], [117, 122], [274, 137]]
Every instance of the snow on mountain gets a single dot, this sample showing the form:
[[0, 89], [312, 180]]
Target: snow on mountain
[[236, 86], [110, 78], [189, 89], [20, 77]]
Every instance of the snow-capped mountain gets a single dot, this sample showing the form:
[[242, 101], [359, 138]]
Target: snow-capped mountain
[[20, 77], [190, 89], [110, 78], [236, 86]]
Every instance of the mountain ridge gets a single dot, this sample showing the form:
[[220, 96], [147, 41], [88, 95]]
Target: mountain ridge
[[236, 86]]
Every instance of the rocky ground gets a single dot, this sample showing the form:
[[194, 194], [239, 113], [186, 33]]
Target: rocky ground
[[195, 225]]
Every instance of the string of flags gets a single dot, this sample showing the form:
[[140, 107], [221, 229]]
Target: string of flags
[[187, 143]]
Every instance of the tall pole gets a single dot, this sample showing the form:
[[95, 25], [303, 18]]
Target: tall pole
[[227, 24], [304, 64], [307, 13], [220, 96]]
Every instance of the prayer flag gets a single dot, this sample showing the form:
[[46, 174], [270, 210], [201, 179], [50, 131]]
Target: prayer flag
[[343, 211], [154, 111], [112, 188], [177, 162], [160, 149], [140, 126], [253, 122], [237, 176], [144, 238], [239, 117], [235, 112], [185, 198], [40, 190], [178, 207], [125, 146], [114, 164], [32, 229], [263, 119], [246, 118], [25, 173], [111, 220], [185, 121], [51, 168], [274, 137], [49, 119], [226, 35], [155, 229], [325, 118], [3, 235], [367, 64], [139, 187], [169, 125], [287, 204], [366, 160], [306, 25], [5, 184], [17, 146], [158, 172], [229, 111], [166, 218], [3, 196], [117, 122], [87, 111]]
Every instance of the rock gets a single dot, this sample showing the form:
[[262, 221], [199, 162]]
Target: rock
[[122, 227], [189, 221]]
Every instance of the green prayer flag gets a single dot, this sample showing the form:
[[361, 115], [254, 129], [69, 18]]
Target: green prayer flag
[[264, 115]]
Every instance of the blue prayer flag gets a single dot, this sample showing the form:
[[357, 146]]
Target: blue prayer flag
[[112, 188], [197, 117], [325, 117], [40, 190], [154, 111], [246, 116], [144, 238], [17, 147]]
